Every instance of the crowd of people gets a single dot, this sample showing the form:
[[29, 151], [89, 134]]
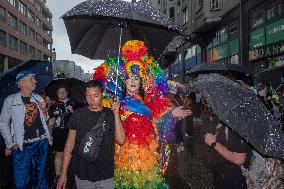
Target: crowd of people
[[123, 137]]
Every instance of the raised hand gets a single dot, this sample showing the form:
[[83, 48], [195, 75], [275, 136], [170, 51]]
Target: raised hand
[[180, 112]]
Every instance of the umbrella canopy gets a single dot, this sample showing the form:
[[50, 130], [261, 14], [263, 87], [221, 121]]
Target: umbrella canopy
[[275, 77], [217, 68], [241, 110], [74, 86], [42, 69], [94, 27]]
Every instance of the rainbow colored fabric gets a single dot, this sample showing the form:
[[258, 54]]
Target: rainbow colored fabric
[[142, 161]]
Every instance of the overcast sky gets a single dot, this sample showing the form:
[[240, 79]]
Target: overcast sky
[[60, 37]]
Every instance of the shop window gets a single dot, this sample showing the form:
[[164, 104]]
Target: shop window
[[214, 5], [233, 29], [13, 43], [2, 38], [22, 8], [257, 18], [23, 47], [216, 39], [223, 35], [12, 20], [270, 13], [13, 2], [2, 14]]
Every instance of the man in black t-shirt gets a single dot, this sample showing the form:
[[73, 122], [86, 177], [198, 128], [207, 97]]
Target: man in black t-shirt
[[228, 152], [99, 172]]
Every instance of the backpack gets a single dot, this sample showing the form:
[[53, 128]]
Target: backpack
[[264, 173]]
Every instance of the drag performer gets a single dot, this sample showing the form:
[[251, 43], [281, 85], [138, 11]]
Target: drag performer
[[147, 119], [24, 129]]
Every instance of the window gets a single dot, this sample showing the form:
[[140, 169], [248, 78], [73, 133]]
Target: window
[[32, 51], [223, 35], [233, 29], [216, 39], [214, 5], [178, 7], [2, 38], [13, 2], [38, 54], [13, 43], [31, 16], [2, 14], [279, 8], [38, 22], [38, 38], [270, 13], [31, 33], [23, 28], [257, 18], [45, 44], [32, 1], [12, 20], [184, 16], [22, 8], [172, 12], [23, 47]]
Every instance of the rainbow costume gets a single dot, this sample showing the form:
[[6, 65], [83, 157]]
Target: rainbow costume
[[148, 122]]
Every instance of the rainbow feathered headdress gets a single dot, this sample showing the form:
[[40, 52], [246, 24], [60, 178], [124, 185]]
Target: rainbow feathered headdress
[[135, 61]]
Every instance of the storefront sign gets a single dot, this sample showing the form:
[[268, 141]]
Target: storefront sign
[[275, 31], [257, 38], [234, 47], [220, 52], [267, 51]]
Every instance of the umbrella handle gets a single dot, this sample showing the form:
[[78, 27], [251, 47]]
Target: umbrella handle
[[117, 65]]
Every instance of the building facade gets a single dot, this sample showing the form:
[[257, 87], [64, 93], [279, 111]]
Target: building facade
[[247, 32], [25, 32], [68, 68]]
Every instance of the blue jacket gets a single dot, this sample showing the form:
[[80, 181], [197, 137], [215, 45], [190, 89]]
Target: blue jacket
[[12, 119]]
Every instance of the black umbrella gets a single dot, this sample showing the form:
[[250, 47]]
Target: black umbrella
[[74, 86], [274, 76], [42, 69], [217, 68], [96, 28], [241, 110]]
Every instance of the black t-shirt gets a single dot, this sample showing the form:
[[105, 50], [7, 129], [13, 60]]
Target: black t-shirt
[[32, 123], [102, 168], [220, 166]]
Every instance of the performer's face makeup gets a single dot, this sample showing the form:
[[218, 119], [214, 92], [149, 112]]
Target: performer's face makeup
[[132, 84], [94, 97]]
